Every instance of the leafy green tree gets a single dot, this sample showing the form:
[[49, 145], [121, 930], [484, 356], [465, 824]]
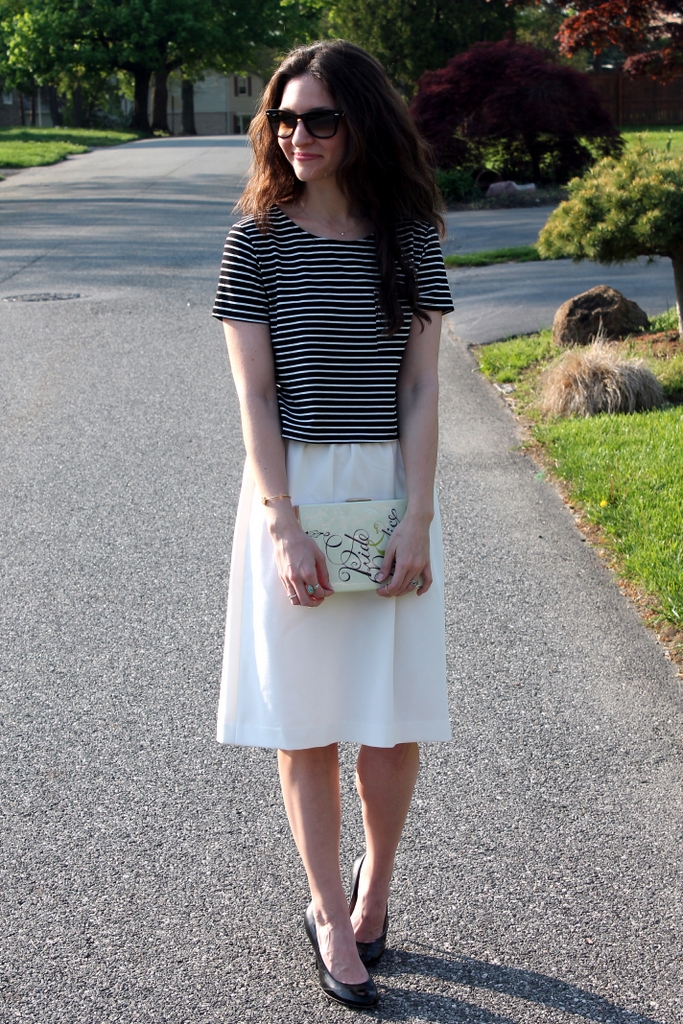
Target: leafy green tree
[[247, 37], [153, 37], [57, 44], [413, 36], [36, 51], [82, 42], [538, 25], [622, 209]]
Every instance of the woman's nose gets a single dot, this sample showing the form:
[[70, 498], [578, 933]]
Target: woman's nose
[[300, 136]]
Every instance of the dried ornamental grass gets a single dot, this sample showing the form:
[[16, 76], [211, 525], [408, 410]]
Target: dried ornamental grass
[[594, 380]]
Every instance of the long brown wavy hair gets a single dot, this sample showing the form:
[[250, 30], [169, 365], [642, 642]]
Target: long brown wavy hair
[[386, 172]]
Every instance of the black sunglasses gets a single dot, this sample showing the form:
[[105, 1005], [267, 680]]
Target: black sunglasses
[[321, 123]]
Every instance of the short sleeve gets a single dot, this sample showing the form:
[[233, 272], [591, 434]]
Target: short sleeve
[[432, 282], [241, 294]]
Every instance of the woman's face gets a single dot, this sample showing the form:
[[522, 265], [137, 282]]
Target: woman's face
[[311, 158]]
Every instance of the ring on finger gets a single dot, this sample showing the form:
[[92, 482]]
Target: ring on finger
[[415, 583], [312, 589]]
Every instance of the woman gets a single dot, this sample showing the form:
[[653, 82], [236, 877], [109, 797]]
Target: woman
[[331, 294]]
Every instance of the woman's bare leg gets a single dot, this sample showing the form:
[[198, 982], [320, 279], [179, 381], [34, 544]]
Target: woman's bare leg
[[385, 778], [310, 787]]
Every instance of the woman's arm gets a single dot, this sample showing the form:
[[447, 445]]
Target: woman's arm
[[299, 559], [418, 393]]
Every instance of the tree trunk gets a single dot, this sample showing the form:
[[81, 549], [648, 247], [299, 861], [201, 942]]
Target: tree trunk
[[78, 106], [677, 262], [160, 102], [55, 115], [187, 117], [140, 119], [22, 110], [33, 109]]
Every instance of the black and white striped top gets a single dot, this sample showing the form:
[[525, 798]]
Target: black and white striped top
[[335, 370]]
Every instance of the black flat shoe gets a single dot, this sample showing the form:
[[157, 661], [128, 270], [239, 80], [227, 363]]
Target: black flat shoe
[[369, 952], [357, 997]]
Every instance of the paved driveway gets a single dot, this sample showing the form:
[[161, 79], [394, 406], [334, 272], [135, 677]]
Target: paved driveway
[[148, 874]]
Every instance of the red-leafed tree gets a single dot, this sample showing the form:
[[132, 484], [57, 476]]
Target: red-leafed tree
[[649, 32], [545, 119]]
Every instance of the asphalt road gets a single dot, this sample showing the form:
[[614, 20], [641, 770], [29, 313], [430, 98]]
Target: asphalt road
[[147, 873], [498, 302], [515, 298], [475, 230]]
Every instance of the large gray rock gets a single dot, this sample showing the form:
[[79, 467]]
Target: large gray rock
[[507, 188], [600, 312]]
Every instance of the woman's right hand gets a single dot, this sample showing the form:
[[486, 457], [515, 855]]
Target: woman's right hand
[[300, 563]]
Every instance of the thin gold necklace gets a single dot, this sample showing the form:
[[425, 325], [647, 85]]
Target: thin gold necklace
[[303, 210]]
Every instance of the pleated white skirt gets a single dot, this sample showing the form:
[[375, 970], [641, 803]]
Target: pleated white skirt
[[360, 668]]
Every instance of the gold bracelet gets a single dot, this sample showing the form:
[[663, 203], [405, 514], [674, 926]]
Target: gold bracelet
[[274, 497]]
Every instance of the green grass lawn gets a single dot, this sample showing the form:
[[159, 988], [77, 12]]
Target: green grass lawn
[[78, 136], [627, 474], [485, 257], [507, 361], [521, 360], [657, 137], [624, 471], [36, 154], [35, 147]]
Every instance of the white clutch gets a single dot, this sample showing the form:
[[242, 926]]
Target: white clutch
[[353, 536]]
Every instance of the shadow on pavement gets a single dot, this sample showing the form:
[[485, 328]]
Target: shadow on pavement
[[401, 1003]]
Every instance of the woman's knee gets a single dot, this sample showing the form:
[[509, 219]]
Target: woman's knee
[[320, 757], [391, 757]]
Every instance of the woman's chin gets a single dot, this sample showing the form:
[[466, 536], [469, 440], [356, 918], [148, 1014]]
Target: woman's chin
[[310, 172]]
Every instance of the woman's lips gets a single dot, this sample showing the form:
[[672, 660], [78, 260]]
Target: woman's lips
[[306, 156]]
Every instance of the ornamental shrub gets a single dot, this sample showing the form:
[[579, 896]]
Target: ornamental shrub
[[457, 185], [622, 209], [514, 106], [589, 381]]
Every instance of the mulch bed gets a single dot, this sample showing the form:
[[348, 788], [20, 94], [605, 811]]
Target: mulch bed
[[661, 345]]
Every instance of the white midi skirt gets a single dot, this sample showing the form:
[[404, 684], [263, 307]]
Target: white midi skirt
[[359, 667]]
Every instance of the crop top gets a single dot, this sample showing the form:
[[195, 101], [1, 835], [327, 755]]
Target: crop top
[[335, 369]]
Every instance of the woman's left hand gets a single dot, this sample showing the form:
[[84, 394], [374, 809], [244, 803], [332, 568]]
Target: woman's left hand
[[407, 559]]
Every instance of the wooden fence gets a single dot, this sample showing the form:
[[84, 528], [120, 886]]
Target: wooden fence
[[634, 101]]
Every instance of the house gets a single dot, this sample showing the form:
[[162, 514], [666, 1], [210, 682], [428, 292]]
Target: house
[[223, 104], [11, 109]]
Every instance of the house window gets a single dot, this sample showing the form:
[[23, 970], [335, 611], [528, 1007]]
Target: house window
[[242, 86], [7, 98]]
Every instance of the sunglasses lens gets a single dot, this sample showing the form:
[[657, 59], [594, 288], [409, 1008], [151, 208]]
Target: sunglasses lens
[[284, 124], [322, 125]]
